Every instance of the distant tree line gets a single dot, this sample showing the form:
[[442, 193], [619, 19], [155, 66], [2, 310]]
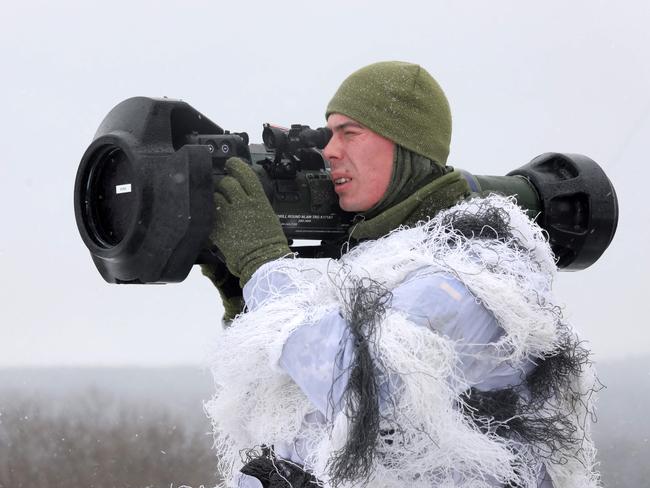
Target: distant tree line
[[94, 442], [145, 428]]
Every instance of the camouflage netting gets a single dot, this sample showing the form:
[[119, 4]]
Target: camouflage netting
[[409, 417]]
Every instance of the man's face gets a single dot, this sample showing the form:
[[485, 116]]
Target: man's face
[[361, 162]]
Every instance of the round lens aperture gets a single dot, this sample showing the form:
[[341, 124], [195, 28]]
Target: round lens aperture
[[110, 196]]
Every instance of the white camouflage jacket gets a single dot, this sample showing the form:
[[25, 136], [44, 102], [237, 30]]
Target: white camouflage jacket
[[452, 314]]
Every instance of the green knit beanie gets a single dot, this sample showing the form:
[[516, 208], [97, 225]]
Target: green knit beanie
[[401, 102]]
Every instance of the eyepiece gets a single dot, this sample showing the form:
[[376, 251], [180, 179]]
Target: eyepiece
[[315, 137], [298, 137]]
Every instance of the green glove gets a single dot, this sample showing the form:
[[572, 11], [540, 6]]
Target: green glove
[[229, 289], [246, 230]]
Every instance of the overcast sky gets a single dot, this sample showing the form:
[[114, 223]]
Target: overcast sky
[[522, 79]]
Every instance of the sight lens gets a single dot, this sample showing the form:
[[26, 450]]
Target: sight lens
[[109, 200]]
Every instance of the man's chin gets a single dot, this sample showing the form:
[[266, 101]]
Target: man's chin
[[346, 207], [351, 206]]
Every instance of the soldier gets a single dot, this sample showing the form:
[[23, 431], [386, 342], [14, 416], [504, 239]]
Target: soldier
[[432, 353]]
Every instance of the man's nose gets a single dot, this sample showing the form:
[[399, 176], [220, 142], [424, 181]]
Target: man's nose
[[333, 149]]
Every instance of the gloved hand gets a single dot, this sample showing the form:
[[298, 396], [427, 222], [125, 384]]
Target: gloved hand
[[246, 230], [229, 289]]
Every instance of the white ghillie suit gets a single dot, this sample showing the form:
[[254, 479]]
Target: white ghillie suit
[[433, 357]]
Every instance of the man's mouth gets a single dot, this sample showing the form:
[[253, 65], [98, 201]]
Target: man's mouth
[[341, 181]]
